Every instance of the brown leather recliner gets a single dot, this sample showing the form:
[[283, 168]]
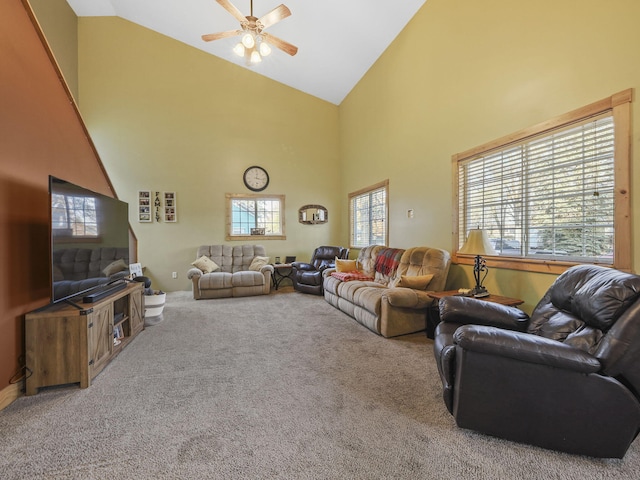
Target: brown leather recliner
[[307, 277], [567, 378]]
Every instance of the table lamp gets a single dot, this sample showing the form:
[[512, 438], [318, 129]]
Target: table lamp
[[478, 244]]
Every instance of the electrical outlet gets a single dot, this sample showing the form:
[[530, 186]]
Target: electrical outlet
[[174, 275]]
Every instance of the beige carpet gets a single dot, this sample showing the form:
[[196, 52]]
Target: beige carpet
[[280, 386]]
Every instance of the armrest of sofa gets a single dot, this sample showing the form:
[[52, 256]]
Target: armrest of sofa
[[267, 269], [194, 272], [467, 310], [328, 271], [525, 347], [407, 298]]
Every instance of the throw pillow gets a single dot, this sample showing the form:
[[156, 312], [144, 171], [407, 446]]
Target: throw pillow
[[115, 267], [343, 265], [420, 282], [258, 262], [205, 264]]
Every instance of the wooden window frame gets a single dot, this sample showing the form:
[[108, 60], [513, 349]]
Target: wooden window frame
[[619, 105], [253, 196], [384, 184]]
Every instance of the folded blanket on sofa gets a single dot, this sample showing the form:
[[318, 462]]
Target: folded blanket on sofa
[[387, 260], [347, 276]]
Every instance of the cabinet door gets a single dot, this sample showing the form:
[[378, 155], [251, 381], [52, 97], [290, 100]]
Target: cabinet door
[[136, 306], [100, 338]]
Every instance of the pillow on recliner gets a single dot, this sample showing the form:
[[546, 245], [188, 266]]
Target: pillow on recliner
[[205, 264], [257, 263], [343, 265]]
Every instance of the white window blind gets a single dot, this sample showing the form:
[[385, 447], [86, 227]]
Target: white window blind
[[549, 196], [368, 216]]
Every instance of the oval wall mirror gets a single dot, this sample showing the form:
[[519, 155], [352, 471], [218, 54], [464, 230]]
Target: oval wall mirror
[[313, 214]]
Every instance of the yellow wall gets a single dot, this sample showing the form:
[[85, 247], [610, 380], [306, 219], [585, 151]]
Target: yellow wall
[[60, 25], [168, 117], [463, 73]]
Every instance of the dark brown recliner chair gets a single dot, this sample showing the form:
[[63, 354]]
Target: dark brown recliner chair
[[567, 378], [307, 277]]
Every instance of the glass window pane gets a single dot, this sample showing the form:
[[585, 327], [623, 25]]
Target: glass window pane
[[249, 213], [369, 218], [549, 196]]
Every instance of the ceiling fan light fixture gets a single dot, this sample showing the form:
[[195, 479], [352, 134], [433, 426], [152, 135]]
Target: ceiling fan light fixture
[[255, 57], [239, 49], [252, 44], [248, 41], [265, 49]]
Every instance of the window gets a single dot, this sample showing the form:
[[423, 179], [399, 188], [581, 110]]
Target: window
[[553, 194], [254, 215], [368, 216], [74, 216]]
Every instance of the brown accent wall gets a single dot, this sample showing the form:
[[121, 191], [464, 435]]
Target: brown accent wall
[[41, 133]]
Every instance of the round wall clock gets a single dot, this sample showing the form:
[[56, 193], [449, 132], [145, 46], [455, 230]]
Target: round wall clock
[[256, 178]]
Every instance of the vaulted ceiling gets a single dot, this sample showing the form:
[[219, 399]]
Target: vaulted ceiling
[[338, 40]]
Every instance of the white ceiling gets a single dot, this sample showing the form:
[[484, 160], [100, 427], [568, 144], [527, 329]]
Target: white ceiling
[[338, 40]]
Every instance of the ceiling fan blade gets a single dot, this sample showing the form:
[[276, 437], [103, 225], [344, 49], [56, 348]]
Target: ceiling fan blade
[[286, 47], [232, 9], [217, 36], [274, 16]]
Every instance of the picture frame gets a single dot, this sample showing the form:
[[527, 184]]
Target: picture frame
[[170, 207], [257, 231], [135, 270], [118, 334], [144, 206]]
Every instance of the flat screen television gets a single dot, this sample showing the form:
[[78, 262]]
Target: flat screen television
[[89, 235]]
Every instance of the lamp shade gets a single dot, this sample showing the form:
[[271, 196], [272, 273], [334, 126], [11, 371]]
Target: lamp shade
[[478, 243]]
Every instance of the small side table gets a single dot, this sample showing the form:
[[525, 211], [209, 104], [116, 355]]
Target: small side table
[[433, 315], [281, 271]]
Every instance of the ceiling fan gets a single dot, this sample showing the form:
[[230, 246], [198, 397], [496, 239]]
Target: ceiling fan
[[255, 43]]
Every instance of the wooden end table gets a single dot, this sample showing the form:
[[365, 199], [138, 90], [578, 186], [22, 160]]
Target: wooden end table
[[433, 315]]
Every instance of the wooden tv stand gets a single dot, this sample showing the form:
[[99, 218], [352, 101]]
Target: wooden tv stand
[[68, 343]]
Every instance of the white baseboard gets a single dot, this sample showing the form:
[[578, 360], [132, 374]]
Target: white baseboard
[[10, 394]]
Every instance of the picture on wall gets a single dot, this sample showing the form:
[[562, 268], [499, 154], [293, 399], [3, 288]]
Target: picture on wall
[[144, 206], [170, 212]]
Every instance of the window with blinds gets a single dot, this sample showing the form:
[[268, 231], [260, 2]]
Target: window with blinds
[[368, 216], [551, 196], [554, 194]]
